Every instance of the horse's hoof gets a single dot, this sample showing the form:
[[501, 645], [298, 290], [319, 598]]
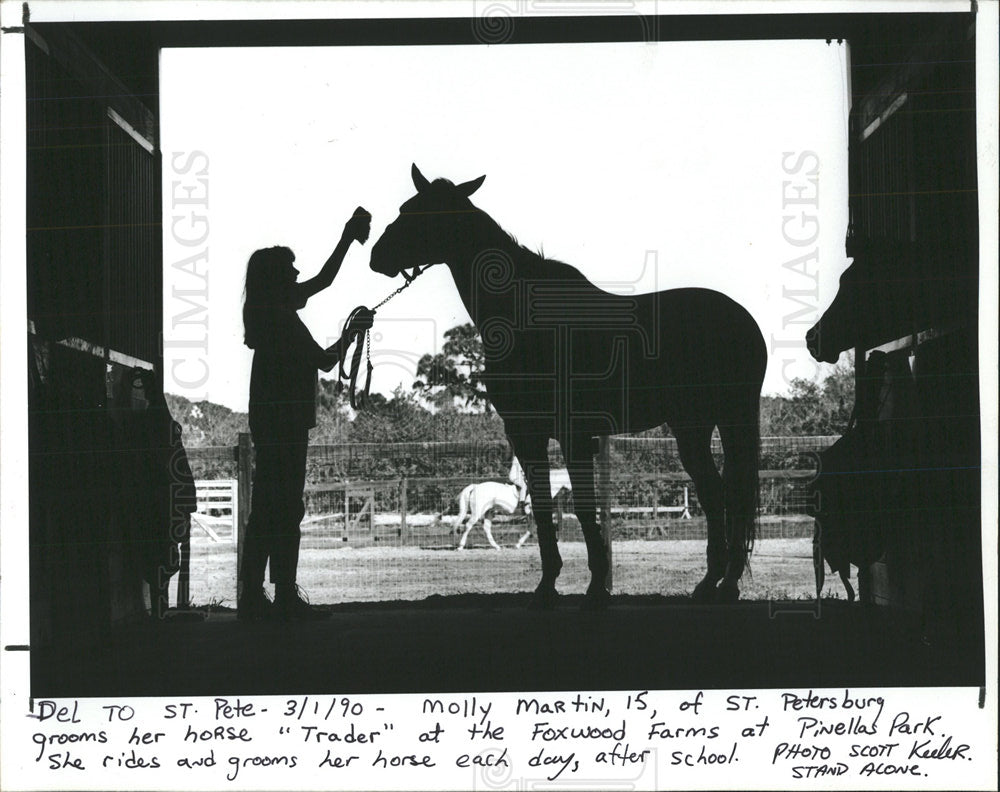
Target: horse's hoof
[[543, 599], [727, 592], [597, 598], [704, 592]]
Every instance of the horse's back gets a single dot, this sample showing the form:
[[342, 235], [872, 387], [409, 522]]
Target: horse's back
[[691, 355], [668, 326], [630, 361], [485, 496], [711, 337]]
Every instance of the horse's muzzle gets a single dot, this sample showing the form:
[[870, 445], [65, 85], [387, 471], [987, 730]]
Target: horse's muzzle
[[814, 344], [381, 263]]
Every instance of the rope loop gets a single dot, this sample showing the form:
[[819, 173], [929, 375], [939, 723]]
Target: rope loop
[[357, 332]]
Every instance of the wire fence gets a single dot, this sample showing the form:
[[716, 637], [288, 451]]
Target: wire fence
[[407, 493], [373, 512]]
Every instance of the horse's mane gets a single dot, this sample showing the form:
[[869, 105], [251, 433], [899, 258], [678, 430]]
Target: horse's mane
[[536, 262]]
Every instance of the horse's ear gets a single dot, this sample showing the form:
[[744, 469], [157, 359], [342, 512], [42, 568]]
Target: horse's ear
[[469, 187], [418, 179]]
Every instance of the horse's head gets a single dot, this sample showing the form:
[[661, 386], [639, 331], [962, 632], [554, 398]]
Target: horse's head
[[834, 332], [430, 229], [888, 284], [516, 474], [857, 303], [516, 477]]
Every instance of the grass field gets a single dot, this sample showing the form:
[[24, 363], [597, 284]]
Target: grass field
[[332, 571]]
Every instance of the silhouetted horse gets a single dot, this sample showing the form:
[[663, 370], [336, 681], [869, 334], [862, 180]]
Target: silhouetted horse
[[566, 360]]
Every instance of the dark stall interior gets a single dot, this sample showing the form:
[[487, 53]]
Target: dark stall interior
[[914, 230]]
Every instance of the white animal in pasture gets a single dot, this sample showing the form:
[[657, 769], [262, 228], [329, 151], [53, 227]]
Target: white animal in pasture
[[477, 502], [559, 484]]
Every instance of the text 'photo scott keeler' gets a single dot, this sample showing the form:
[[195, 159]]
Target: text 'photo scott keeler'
[[498, 395]]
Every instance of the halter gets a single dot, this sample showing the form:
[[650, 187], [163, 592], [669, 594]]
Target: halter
[[354, 334]]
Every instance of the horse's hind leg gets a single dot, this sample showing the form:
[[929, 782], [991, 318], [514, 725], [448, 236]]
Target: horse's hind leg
[[741, 446], [487, 524], [694, 445], [463, 512], [465, 535]]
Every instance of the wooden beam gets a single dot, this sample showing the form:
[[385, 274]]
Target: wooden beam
[[604, 500]]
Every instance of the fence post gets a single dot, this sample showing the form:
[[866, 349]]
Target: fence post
[[604, 497], [402, 506], [184, 573], [244, 453]]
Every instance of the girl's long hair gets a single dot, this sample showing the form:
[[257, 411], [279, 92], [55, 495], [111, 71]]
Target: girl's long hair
[[264, 291]]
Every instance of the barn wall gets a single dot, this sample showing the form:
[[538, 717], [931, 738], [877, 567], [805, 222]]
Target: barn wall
[[914, 204], [94, 278], [913, 188]]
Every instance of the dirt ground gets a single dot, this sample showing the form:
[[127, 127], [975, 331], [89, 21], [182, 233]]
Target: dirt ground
[[495, 642], [414, 619], [332, 572]]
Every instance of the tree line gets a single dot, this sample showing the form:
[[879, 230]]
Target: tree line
[[448, 402]]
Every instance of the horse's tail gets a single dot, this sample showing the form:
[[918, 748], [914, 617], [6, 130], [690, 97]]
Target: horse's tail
[[753, 481], [741, 473], [463, 504]]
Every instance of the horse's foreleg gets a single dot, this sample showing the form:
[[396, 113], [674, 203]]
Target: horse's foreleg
[[462, 514], [694, 445], [580, 461], [845, 577], [548, 546], [533, 453]]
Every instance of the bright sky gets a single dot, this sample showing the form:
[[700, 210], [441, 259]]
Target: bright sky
[[646, 166]]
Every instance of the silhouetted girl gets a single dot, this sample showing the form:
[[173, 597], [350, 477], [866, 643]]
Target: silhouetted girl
[[283, 384]]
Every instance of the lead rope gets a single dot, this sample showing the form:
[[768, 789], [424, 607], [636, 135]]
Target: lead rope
[[359, 335]]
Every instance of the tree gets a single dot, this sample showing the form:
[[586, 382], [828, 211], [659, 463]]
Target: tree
[[332, 413], [397, 420], [455, 372], [205, 424], [811, 408]]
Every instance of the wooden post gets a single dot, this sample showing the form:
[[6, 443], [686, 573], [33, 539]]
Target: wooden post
[[184, 574], [402, 506], [244, 457], [604, 497]]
